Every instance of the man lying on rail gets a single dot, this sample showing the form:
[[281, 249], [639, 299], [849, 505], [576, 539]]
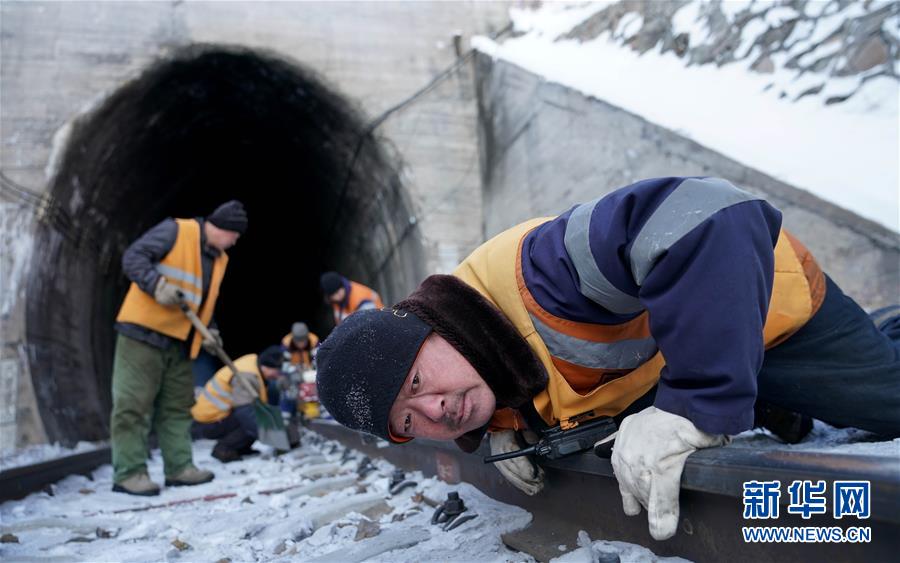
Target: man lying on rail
[[675, 305]]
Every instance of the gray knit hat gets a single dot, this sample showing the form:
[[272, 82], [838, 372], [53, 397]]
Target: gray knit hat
[[299, 331]]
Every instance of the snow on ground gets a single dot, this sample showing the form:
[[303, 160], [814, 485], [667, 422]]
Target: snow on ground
[[600, 551], [847, 153], [10, 459], [304, 505], [825, 438]]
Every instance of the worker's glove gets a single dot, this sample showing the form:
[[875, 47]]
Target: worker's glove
[[166, 293], [209, 344], [241, 393], [522, 472], [648, 458]]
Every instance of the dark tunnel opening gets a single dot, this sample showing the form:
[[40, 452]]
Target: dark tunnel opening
[[193, 130]]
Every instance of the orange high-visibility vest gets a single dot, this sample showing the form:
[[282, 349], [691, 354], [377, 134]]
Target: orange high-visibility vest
[[183, 267], [358, 294], [495, 270], [301, 357], [215, 401]]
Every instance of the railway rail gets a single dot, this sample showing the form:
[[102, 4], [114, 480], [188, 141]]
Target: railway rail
[[19, 482], [582, 494]]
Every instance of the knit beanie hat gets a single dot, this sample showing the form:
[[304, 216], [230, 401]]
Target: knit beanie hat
[[362, 366], [299, 331], [270, 357], [331, 282], [230, 216]]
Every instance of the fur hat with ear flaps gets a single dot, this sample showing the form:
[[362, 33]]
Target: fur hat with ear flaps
[[382, 348]]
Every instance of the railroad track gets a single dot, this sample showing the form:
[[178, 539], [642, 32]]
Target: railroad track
[[19, 482], [582, 494]]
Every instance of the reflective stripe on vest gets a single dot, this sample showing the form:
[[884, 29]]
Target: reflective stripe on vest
[[494, 270], [622, 354], [183, 267], [191, 294], [592, 283], [694, 201], [219, 391], [212, 399], [216, 399]]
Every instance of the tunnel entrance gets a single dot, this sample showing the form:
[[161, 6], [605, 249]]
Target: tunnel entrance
[[206, 125]]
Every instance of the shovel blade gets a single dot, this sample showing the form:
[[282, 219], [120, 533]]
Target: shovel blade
[[270, 426]]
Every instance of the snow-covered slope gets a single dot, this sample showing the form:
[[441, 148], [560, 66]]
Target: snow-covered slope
[[783, 87]]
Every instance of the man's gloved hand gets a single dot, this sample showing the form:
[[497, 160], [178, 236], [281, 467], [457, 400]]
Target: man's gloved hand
[[520, 471], [166, 293], [244, 394], [648, 458], [210, 344]]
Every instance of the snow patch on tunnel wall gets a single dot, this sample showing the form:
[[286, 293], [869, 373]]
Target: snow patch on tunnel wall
[[16, 241]]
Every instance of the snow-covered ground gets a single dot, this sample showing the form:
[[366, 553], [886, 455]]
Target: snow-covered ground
[[307, 505], [825, 438], [847, 153], [29, 455]]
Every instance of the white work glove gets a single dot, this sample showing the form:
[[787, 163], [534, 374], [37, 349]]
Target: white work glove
[[523, 473], [166, 293], [648, 458], [244, 394], [210, 344]]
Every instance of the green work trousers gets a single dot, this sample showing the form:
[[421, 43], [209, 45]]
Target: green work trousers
[[151, 388]]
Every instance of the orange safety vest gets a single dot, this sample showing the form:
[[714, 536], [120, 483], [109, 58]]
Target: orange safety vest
[[183, 267], [495, 270], [301, 357], [357, 294], [215, 401]]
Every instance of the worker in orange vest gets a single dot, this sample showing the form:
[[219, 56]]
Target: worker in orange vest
[[178, 259], [347, 297]]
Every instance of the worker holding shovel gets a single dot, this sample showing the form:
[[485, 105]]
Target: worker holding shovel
[[152, 384], [225, 409], [232, 407]]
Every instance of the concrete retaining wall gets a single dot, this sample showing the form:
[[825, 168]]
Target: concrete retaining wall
[[545, 147]]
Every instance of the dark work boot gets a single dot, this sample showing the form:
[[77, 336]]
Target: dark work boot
[[791, 427], [246, 451], [225, 454]]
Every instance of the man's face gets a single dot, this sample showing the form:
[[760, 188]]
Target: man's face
[[337, 296], [301, 343], [220, 238], [269, 373], [443, 396]]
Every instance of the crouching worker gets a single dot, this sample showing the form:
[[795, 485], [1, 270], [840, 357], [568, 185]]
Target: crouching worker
[[224, 409], [298, 346], [674, 305]]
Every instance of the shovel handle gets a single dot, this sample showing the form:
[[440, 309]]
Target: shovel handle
[[220, 352]]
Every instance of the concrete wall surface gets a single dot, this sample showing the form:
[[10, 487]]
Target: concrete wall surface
[[63, 59], [545, 148]]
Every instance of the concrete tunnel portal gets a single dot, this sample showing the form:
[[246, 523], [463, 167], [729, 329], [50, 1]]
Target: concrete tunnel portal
[[193, 130]]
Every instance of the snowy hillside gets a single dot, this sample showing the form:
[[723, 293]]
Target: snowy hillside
[[806, 91]]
